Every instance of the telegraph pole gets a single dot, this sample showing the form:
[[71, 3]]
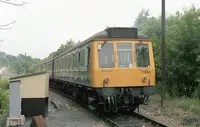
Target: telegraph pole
[[163, 58]]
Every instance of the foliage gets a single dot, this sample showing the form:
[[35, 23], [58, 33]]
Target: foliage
[[20, 64], [5, 59], [63, 48], [142, 16], [198, 59], [182, 45], [4, 86], [23, 64]]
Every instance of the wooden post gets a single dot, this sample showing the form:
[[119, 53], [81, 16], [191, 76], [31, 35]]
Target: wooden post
[[163, 54]]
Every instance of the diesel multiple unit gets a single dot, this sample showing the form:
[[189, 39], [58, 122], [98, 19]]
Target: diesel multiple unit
[[111, 70]]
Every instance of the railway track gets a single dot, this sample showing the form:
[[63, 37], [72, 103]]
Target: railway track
[[133, 119]]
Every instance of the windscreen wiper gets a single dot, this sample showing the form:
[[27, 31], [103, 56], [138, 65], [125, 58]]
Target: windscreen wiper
[[102, 45]]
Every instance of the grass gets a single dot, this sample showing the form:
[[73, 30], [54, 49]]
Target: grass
[[187, 104], [184, 108], [184, 103]]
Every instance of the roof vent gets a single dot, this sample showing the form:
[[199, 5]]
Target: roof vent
[[122, 32]]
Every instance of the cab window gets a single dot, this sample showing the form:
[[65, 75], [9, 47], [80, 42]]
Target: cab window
[[142, 55], [125, 57], [106, 55]]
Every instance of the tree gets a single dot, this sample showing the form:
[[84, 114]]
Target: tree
[[64, 47], [182, 44], [21, 64], [183, 57], [142, 16]]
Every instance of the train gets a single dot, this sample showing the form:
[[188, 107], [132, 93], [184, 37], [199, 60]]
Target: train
[[109, 71]]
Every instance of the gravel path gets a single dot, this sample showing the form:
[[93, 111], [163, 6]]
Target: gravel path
[[69, 114]]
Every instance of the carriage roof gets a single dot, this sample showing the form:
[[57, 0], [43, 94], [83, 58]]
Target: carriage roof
[[111, 33]]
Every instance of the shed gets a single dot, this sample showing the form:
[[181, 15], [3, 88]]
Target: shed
[[34, 93]]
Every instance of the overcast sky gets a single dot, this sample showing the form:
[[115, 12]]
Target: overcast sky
[[43, 25]]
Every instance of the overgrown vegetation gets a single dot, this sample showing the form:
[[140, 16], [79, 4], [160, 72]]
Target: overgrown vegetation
[[183, 49], [4, 86]]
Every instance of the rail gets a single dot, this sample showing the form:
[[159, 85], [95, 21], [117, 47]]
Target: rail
[[132, 120]]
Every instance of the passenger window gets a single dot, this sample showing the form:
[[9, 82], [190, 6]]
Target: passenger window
[[125, 57], [105, 54], [70, 61], [79, 58], [66, 62], [63, 61], [74, 58], [74, 62], [56, 66], [82, 57], [88, 58]]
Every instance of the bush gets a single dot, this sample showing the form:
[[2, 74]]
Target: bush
[[4, 86], [3, 102]]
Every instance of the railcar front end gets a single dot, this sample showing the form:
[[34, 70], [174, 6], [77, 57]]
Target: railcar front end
[[122, 71]]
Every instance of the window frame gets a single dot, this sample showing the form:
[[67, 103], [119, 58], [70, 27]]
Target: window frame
[[124, 55], [113, 47], [148, 55]]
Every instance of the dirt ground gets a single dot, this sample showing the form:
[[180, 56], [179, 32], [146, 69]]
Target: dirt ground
[[169, 115]]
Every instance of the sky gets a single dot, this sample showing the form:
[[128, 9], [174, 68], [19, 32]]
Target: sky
[[43, 25]]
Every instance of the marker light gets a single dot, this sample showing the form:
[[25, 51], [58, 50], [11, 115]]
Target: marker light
[[106, 80], [144, 79]]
